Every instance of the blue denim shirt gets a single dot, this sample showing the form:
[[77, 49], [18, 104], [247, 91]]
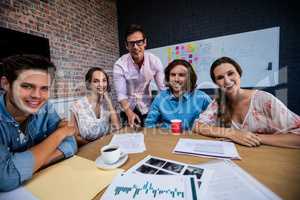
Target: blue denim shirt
[[166, 107], [16, 161]]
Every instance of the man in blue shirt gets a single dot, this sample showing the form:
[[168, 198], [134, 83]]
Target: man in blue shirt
[[181, 101], [31, 133]]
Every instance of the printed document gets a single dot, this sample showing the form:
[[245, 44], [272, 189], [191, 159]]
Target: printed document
[[129, 142], [232, 182], [151, 187], [206, 148]]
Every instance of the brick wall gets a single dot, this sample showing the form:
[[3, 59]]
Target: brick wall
[[81, 33]]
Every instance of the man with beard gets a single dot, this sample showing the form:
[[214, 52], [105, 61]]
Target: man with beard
[[133, 73]]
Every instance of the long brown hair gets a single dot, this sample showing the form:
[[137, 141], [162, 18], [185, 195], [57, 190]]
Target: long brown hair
[[224, 114], [192, 76]]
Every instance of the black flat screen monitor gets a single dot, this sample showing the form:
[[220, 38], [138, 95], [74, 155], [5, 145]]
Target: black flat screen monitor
[[14, 42]]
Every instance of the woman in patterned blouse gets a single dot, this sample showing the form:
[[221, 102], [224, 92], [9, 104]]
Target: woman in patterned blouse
[[94, 114], [247, 117]]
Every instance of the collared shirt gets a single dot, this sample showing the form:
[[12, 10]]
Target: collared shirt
[[133, 83], [16, 161], [167, 107]]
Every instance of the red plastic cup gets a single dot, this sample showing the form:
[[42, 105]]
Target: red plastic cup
[[176, 126]]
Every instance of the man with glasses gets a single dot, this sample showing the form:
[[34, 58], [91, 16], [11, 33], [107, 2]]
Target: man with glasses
[[133, 73]]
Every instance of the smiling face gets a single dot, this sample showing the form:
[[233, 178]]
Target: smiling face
[[136, 44], [178, 79], [28, 93], [228, 79], [98, 83]]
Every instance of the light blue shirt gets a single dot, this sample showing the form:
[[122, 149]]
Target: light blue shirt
[[167, 107], [16, 161]]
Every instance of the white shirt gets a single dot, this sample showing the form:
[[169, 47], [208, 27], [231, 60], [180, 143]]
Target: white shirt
[[90, 127]]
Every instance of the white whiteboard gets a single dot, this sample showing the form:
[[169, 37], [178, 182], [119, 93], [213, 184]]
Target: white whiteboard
[[257, 52]]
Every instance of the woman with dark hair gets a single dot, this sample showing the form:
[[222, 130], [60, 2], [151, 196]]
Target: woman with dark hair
[[247, 117], [94, 114], [180, 101]]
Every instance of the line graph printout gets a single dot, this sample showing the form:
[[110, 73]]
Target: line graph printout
[[153, 165], [160, 166], [151, 187]]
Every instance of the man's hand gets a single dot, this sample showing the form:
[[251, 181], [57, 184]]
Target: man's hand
[[66, 128], [133, 118]]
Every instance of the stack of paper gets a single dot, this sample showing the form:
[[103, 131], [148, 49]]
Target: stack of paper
[[206, 148], [232, 182], [151, 187], [129, 142]]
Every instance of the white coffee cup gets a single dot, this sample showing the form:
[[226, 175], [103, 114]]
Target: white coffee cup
[[111, 154]]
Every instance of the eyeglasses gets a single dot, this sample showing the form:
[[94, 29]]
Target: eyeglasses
[[137, 42]]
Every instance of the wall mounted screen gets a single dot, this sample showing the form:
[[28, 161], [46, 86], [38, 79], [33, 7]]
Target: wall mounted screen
[[256, 51]]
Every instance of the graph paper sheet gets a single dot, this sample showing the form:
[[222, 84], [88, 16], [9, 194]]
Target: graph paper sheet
[[151, 187]]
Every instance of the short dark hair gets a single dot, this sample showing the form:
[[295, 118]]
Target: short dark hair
[[13, 65], [89, 76], [223, 60], [192, 76], [132, 28]]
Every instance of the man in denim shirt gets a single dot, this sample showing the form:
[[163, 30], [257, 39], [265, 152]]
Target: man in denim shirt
[[31, 133], [180, 101]]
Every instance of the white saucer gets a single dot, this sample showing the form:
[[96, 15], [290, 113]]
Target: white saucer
[[101, 164]]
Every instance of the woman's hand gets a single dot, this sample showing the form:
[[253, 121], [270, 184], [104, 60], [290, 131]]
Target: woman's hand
[[106, 96], [115, 122], [245, 138]]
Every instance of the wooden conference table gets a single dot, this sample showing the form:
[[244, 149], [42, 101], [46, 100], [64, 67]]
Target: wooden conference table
[[277, 168]]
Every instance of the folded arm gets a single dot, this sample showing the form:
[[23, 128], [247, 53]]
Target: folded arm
[[289, 140], [17, 167], [48, 149], [242, 137]]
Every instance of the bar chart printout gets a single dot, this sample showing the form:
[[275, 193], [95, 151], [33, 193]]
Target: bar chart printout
[[151, 187]]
